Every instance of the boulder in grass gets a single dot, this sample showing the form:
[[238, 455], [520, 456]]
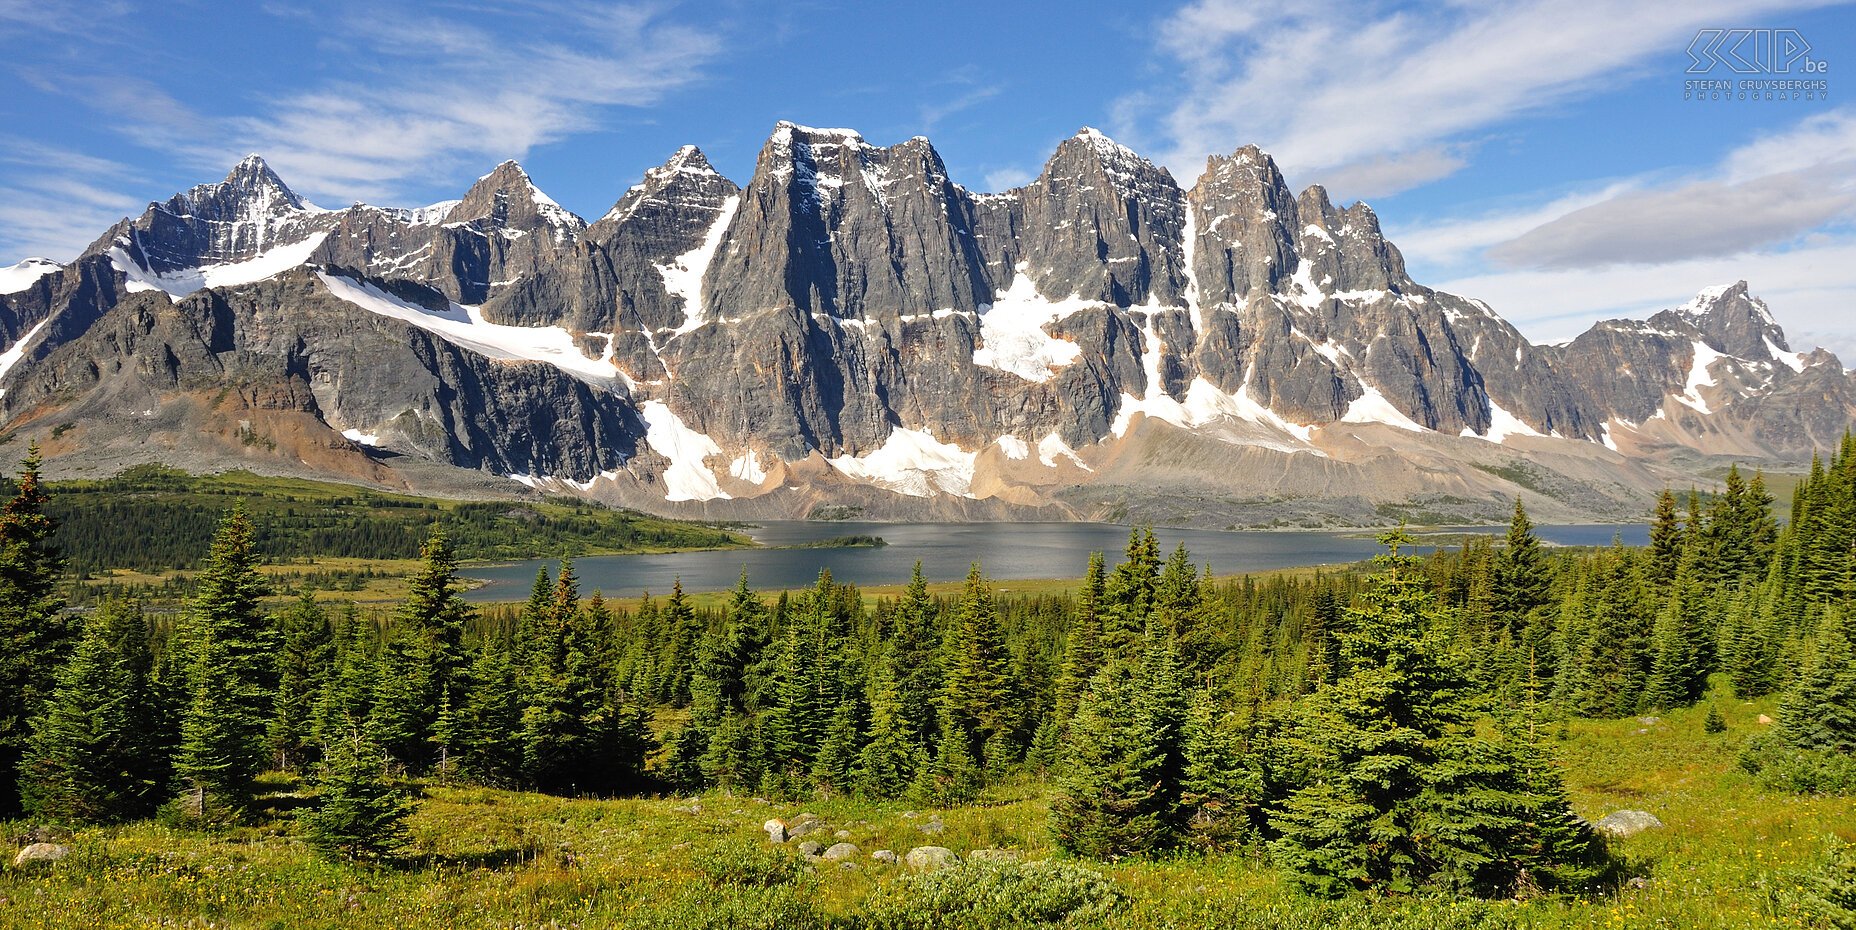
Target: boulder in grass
[[40, 854], [1627, 823], [839, 851], [930, 858], [811, 849], [885, 856], [776, 830]]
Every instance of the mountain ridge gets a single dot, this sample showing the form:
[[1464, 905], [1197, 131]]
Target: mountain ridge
[[853, 328]]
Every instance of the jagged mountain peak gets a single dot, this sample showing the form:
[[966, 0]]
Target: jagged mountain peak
[[507, 198], [1734, 322]]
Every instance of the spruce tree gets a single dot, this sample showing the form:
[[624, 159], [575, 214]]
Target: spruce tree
[[1393, 789], [359, 812], [89, 759], [916, 656], [233, 675], [35, 635], [975, 685], [889, 758], [1522, 582], [485, 739], [302, 666], [348, 690], [1219, 791], [1819, 712], [1082, 656], [952, 777]]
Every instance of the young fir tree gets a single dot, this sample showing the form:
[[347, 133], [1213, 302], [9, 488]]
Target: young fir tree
[[1119, 791], [974, 666], [1394, 792], [35, 635], [719, 690], [1219, 791], [484, 740], [233, 675], [952, 777], [302, 667], [402, 711], [359, 812], [1082, 656], [889, 758], [89, 759], [348, 690], [1128, 594], [1523, 581], [1819, 712], [917, 663]]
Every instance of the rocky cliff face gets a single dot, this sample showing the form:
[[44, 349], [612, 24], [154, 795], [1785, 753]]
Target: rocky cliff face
[[852, 327]]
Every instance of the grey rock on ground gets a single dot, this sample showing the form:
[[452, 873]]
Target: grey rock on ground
[[930, 858], [811, 849], [884, 855], [1627, 823], [40, 853], [776, 830], [839, 851]]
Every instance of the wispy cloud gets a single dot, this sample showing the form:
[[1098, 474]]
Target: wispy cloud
[[423, 95], [1386, 99], [933, 113], [54, 201], [1769, 192]]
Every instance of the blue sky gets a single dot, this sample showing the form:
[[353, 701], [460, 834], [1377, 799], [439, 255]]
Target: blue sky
[[1534, 154]]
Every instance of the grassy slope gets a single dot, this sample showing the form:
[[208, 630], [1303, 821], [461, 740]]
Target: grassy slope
[[490, 858]]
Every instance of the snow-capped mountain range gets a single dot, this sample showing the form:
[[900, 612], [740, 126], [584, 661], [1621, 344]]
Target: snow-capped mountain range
[[854, 330]]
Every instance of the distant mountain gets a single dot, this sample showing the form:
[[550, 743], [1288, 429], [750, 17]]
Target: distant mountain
[[854, 330]]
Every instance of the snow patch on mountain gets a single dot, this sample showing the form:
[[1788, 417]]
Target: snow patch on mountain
[[688, 478], [1052, 447], [912, 462], [1014, 448], [366, 439], [747, 467], [1699, 377], [683, 276], [1205, 405], [17, 351], [1012, 331], [466, 328], [1502, 425], [1373, 407], [182, 282], [16, 278]]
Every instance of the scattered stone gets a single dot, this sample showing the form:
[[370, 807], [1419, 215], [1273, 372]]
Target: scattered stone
[[776, 830], [847, 866], [811, 849], [884, 855], [805, 828], [933, 827], [1649, 721], [997, 855], [930, 858], [1640, 731], [761, 801], [840, 851], [909, 815], [1765, 719], [1627, 823], [40, 852], [842, 834]]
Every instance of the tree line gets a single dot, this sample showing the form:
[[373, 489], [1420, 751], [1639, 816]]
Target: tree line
[[1338, 722]]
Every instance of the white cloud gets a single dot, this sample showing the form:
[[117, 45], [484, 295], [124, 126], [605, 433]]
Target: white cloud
[[1004, 179], [1343, 88], [1770, 191], [423, 96], [53, 202], [1811, 289]]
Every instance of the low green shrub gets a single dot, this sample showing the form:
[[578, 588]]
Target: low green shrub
[[990, 895], [750, 864], [1800, 771]]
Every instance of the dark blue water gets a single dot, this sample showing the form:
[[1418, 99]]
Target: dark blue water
[[1004, 550]]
